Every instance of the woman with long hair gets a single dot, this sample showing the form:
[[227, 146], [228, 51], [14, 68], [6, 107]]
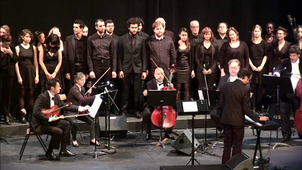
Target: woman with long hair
[[233, 49], [206, 57], [184, 65], [27, 71], [258, 58], [50, 60]]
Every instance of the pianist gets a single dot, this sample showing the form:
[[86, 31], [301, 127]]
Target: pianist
[[235, 104]]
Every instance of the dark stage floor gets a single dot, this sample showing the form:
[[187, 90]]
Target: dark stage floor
[[143, 155]]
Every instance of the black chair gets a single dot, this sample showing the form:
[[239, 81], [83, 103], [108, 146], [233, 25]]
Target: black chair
[[28, 134]]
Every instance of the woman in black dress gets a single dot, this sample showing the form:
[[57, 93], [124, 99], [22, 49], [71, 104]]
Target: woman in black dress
[[233, 49], [7, 63], [206, 60], [50, 60], [76, 97], [279, 50], [39, 43], [184, 69], [258, 57], [27, 71]]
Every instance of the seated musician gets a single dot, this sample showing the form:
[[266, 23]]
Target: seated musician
[[155, 84], [290, 67], [54, 126], [76, 97]]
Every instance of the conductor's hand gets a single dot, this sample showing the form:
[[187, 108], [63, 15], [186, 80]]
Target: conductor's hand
[[263, 118]]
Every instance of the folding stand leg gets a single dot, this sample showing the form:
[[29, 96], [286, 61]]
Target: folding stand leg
[[193, 151]]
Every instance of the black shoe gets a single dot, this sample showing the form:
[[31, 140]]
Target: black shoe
[[138, 114], [75, 145], [7, 120], [148, 137], [52, 156], [23, 120], [286, 139], [97, 143], [67, 153]]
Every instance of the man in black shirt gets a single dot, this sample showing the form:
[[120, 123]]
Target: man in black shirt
[[76, 53], [101, 54], [160, 49]]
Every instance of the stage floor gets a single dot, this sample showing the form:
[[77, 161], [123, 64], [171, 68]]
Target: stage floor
[[143, 155]]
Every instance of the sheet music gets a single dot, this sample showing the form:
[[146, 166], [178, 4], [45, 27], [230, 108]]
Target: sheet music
[[190, 106], [200, 94], [95, 105], [252, 121]]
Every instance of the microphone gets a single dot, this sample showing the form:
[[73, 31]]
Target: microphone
[[107, 84], [290, 20]]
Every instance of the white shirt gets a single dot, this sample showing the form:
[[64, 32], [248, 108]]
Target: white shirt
[[296, 75], [232, 78], [159, 38], [52, 101]]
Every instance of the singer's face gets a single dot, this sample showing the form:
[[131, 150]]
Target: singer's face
[[269, 28], [26, 38], [233, 36], [194, 27], [299, 33], [2, 31], [183, 36], [294, 57], [222, 28], [110, 27], [81, 81], [159, 30], [77, 29], [257, 33], [207, 36], [100, 27], [133, 28], [281, 35]]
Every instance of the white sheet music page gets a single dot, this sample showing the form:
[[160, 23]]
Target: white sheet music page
[[200, 94], [95, 105], [190, 106]]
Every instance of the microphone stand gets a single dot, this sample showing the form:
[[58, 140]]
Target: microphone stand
[[205, 120]]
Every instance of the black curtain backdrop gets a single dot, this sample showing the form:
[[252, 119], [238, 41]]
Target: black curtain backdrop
[[242, 14]]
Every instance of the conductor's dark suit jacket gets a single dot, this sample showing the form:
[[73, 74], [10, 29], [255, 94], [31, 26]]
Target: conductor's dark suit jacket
[[39, 121], [132, 60], [235, 102]]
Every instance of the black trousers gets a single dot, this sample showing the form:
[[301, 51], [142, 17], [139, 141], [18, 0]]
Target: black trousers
[[99, 68], [233, 137], [60, 133], [6, 84], [288, 102], [131, 80], [147, 118], [74, 126]]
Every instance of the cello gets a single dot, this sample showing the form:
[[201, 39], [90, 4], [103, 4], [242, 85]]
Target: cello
[[298, 114], [169, 115]]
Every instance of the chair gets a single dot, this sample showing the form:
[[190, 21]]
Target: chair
[[29, 133]]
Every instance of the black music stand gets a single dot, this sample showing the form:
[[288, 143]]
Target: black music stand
[[279, 86], [192, 108], [161, 98], [108, 101]]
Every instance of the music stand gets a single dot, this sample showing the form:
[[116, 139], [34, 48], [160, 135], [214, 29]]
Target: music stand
[[161, 98], [212, 98], [279, 86], [193, 108], [108, 101]]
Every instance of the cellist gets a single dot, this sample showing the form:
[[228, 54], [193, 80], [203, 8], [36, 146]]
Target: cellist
[[58, 129], [155, 84], [290, 67]]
